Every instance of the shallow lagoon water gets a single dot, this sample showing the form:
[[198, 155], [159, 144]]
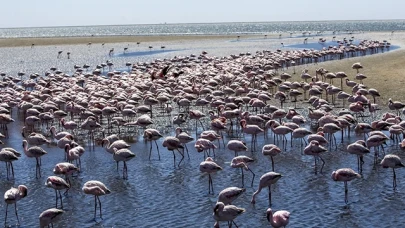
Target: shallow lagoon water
[[158, 194]]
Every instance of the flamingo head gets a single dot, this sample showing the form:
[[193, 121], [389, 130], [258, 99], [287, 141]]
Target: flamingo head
[[23, 190], [269, 214]]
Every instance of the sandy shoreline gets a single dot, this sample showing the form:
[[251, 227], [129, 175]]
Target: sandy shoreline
[[19, 42]]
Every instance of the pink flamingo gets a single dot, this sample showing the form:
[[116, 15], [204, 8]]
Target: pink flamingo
[[97, 189], [13, 195], [251, 130], [266, 181], [209, 166], [271, 150], [196, 115], [34, 152], [228, 195], [58, 184], [226, 213], [241, 162], [8, 155], [315, 150], [202, 145], [236, 146], [392, 161], [279, 218], [184, 138], [173, 143], [123, 155], [345, 175], [48, 217], [360, 149], [65, 168], [151, 134]]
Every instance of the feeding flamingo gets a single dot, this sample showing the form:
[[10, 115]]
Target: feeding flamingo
[[97, 189], [266, 180], [228, 195], [278, 219], [226, 213], [48, 217], [345, 175]]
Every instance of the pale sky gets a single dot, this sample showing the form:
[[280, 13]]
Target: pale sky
[[39, 13]]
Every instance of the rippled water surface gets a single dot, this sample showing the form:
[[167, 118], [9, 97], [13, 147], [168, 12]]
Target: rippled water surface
[[157, 194]]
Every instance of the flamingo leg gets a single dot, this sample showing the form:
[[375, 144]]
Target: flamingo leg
[[5, 219], [323, 163], [174, 158], [182, 157], [394, 181], [16, 214], [243, 178], [346, 193], [272, 163], [150, 150], [269, 195], [253, 178], [234, 224], [157, 147], [60, 197], [95, 206]]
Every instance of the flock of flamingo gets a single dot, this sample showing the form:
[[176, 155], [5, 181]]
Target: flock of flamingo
[[236, 95]]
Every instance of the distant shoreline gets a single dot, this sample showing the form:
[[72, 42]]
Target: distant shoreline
[[74, 40]]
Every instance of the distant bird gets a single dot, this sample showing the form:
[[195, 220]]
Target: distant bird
[[228, 195], [58, 184], [345, 175], [392, 161], [357, 66], [97, 189], [226, 213], [13, 195], [278, 219], [209, 166], [266, 181], [48, 217]]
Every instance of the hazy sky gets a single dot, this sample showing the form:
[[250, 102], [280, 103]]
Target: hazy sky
[[36, 13]]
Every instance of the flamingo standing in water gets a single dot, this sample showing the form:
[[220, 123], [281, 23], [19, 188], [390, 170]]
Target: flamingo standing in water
[[8, 155], [209, 166], [271, 150], [241, 162], [173, 143], [58, 184], [226, 213], [48, 217], [392, 161], [266, 181], [315, 150], [236, 146], [345, 175], [97, 189], [34, 152], [278, 219], [228, 195], [251, 130], [358, 148], [13, 195], [151, 134], [123, 155]]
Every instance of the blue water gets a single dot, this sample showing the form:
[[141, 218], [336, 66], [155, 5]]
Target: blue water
[[294, 27]]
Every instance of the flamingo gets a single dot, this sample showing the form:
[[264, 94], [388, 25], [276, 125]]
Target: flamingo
[[315, 150], [360, 149], [58, 135], [34, 152], [251, 130], [392, 161], [58, 184], [48, 217], [236, 146], [97, 189], [184, 138], [151, 134], [8, 156], [241, 162], [123, 155], [202, 145], [173, 143], [279, 218], [209, 166], [226, 213], [119, 144], [266, 180], [271, 150], [345, 175], [12, 196], [228, 195]]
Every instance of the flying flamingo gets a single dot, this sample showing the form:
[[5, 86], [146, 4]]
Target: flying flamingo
[[151, 134], [271, 150], [58, 184], [228, 195], [173, 143], [392, 161], [13, 195], [97, 189], [34, 152], [241, 162], [345, 175], [209, 166], [123, 155], [48, 217], [266, 181], [278, 219], [226, 213]]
